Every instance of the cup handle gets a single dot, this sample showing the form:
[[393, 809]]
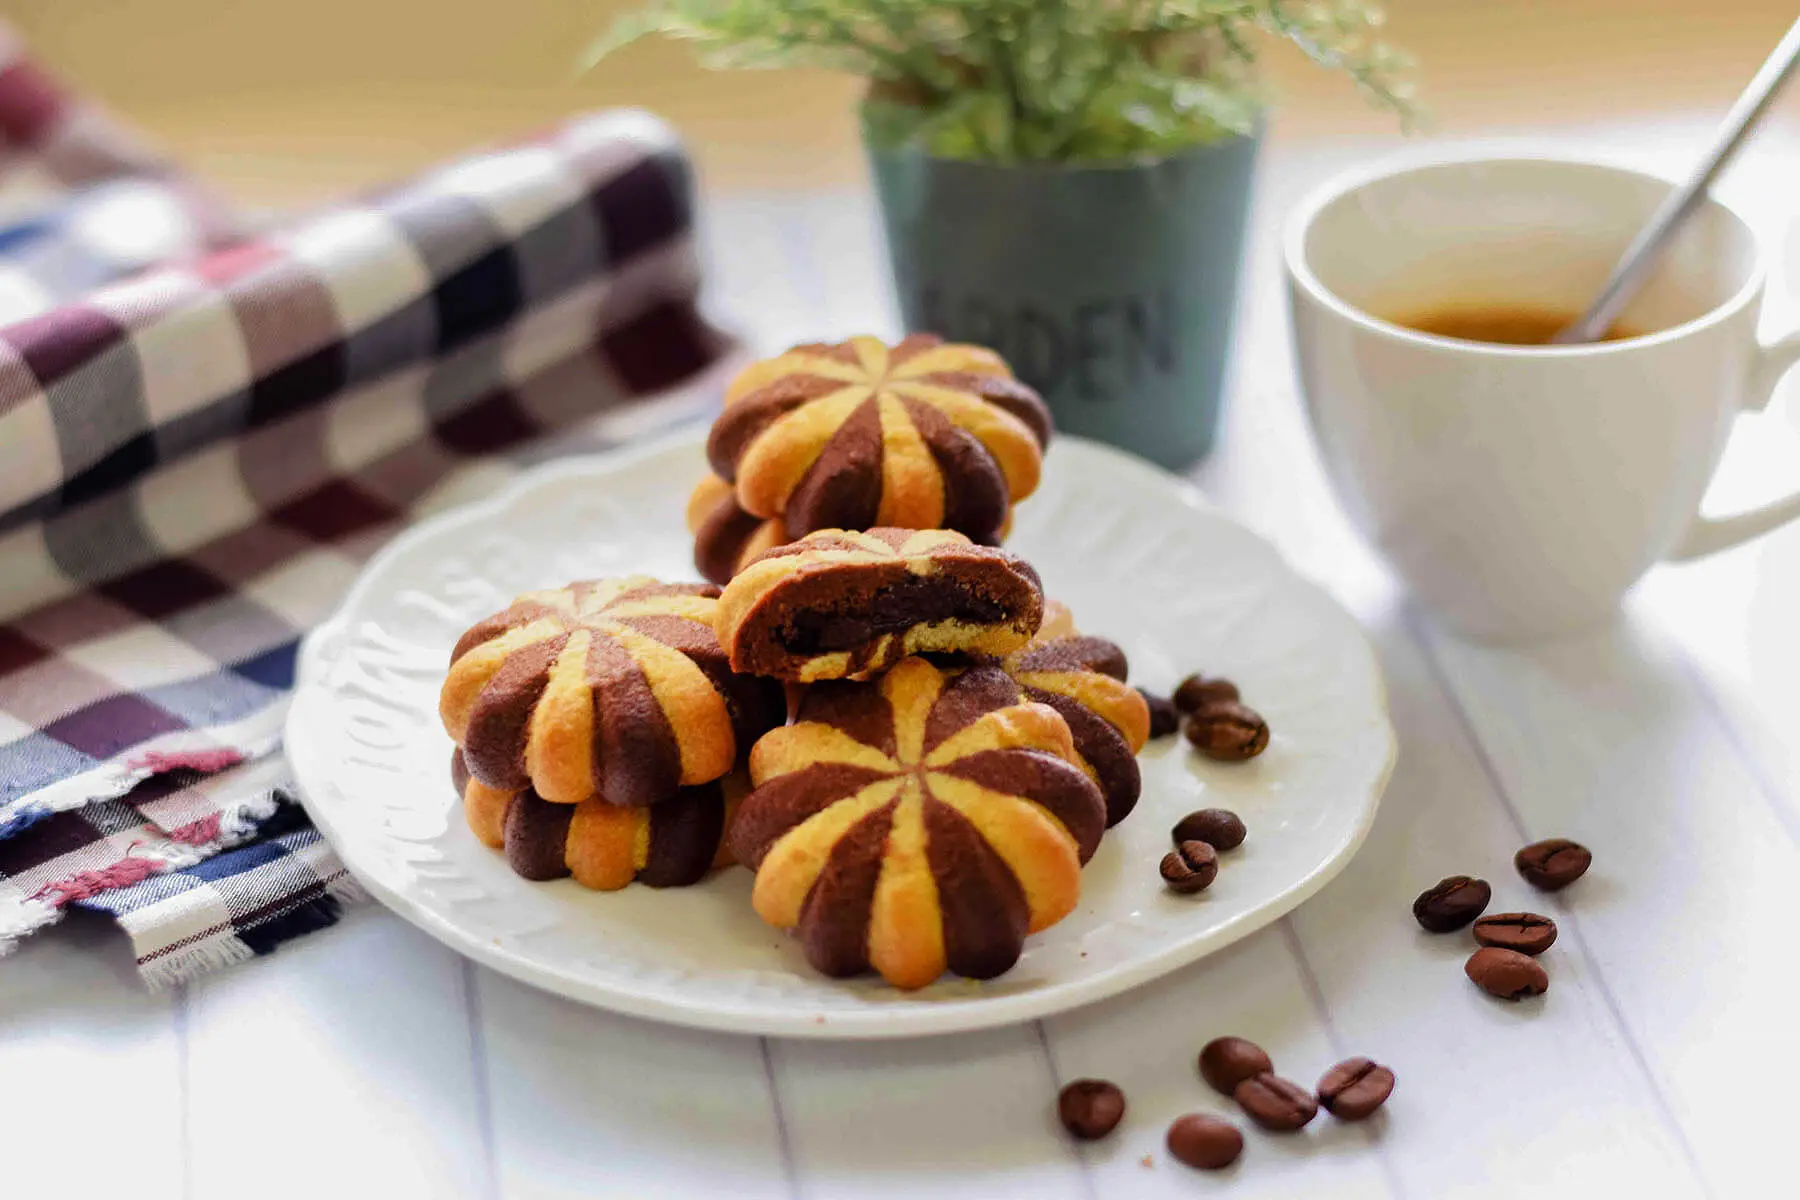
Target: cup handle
[[1707, 535]]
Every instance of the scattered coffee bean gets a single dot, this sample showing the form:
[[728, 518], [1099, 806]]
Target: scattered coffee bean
[[1278, 1105], [1197, 691], [1229, 732], [1507, 973], [1527, 933], [1219, 828], [1355, 1088], [1226, 1062], [1553, 864], [1205, 1142], [1165, 718], [1190, 867], [1090, 1108], [1451, 903]]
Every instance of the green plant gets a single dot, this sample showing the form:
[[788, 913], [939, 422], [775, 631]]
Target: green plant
[[1065, 80]]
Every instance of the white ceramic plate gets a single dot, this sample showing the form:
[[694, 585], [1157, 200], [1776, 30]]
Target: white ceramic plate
[[1137, 555]]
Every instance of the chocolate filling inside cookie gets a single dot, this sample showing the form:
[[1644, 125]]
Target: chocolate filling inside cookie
[[915, 600]]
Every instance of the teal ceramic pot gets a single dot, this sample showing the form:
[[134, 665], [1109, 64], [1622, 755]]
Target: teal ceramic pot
[[1111, 289]]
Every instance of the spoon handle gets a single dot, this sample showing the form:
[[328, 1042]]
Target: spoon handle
[[1640, 257]]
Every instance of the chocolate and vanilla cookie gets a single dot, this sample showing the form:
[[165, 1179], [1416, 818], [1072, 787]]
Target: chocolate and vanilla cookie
[[604, 846], [616, 689], [922, 435], [1083, 679], [844, 605], [922, 822]]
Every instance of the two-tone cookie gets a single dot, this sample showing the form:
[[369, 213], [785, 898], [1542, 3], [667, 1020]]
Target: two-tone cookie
[[604, 846], [1083, 678], [844, 605], [923, 434], [922, 822], [616, 689]]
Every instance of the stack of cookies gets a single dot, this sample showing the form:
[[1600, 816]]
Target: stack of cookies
[[872, 706]]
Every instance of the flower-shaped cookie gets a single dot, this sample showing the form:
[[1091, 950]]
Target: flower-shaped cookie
[[604, 846], [613, 688], [921, 435], [916, 823], [1083, 678]]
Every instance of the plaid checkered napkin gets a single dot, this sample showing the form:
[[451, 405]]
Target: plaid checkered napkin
[[195, 460]]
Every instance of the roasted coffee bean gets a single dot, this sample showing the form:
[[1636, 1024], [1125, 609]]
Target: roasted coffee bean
[[1090, 1108], [1553, 864], [1451, 903], [1527, 933], [1228, 731], [1219, 828], [1507, 973], [1205, 1142], [1165, 718], [1278, 1105], [1190, 867], [1197, 691], [1226, 1062], [1355, 1088]]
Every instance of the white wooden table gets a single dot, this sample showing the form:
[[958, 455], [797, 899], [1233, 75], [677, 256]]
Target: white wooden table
[[368, 1061]]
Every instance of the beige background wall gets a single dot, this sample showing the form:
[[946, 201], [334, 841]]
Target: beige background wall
[[287, 101]]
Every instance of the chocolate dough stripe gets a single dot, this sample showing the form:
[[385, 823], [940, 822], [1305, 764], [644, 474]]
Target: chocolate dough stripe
[[1105, 749], [684, 836], [857, 709], [911, 346], [721, 538], [1059, 788], [743, 422], [517, 615], [834, 918], [502, 711], [1008, 395], [975, 497], [537, 835], [985, 914], [691, 637], [843, 352], [1077, 653], [842, 487], [459, 771], [965, 698], [789, 800], [636, 758]]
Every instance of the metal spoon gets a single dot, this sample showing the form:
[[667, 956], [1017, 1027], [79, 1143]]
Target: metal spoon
[[1641, 255]]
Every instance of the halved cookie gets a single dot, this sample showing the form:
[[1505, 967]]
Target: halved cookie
[[843, 605]]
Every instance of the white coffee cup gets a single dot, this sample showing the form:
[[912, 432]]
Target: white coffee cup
[[1520, 490]]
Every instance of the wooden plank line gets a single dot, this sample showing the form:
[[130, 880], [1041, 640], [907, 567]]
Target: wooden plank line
[[1088, 1187], [480, 1083], [1309, 981], [1567, 922], [783, 1137]]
